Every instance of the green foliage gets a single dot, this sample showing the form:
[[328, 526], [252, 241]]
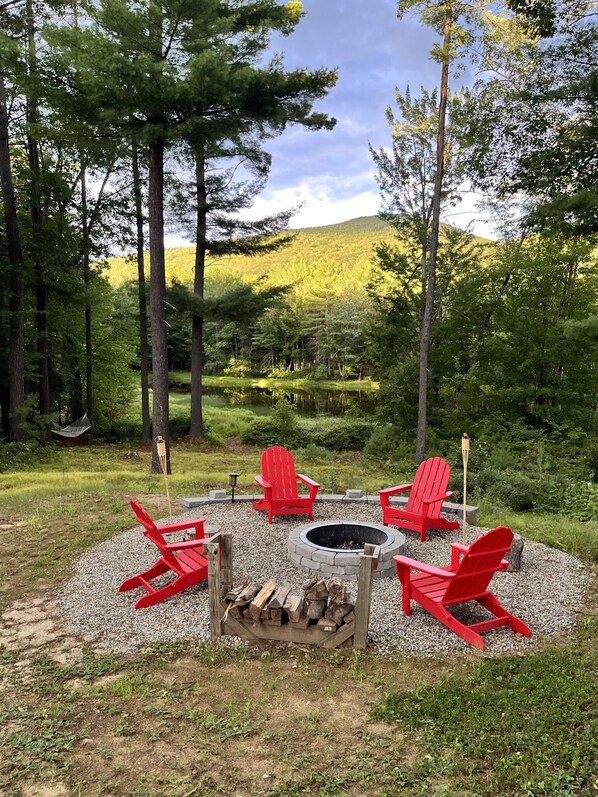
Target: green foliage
[[18, 456], [281, 428], [343, 435], [514, 726]]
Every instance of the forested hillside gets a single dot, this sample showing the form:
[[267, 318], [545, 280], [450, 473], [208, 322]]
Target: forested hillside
[[341, 253]]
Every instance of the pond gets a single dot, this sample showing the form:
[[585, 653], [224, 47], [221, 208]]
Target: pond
[[308, 402]]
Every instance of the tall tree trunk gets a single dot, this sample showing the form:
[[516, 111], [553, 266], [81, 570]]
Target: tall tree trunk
[[87, 284], [157, 300], [426, 327], [143, 338], [41, 297], [16, 299], [197, 427]]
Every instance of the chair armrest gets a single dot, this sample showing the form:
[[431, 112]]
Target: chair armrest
[[422, 567], [439, 497], [180, 546], [458, 549], [392, 490], [170, 528], [307, 480], [262, 482]]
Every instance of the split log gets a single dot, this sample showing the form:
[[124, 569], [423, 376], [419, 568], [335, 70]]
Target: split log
[[248, 594], [314, 609], [316, 590], [235, 611], [348, 618], [261, 599], [233, 594], [277, 600], [337, 611], [276, 614], [326, 624], [337, 591], [292, 607]]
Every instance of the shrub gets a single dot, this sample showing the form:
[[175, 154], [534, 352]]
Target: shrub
[[516, 491], [384, 445], [281, 428], [343, 435], [18, 456], [316, 454]]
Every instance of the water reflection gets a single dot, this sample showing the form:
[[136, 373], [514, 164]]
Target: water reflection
[[307, 402]]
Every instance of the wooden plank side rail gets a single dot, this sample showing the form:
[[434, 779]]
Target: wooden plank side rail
[[222, 621]]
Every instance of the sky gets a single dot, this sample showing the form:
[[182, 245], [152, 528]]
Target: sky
[[331, 173]]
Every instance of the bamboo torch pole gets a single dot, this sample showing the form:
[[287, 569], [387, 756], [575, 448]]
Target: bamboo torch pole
[[465, 455], [161, 449]]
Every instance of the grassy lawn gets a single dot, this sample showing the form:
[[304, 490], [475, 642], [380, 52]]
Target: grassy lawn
[[190, 720]]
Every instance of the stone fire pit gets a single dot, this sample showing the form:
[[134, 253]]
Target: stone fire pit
[[332, 547]]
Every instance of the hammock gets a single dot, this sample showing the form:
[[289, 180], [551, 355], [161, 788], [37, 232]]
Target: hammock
[[75, 429]]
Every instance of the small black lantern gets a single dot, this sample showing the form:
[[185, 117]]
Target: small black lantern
[[232, 480]]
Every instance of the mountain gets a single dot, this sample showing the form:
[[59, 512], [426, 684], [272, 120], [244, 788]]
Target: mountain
[[339, 253]]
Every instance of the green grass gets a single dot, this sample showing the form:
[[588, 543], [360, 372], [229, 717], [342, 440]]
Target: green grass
[[559, 531], [512, 726]]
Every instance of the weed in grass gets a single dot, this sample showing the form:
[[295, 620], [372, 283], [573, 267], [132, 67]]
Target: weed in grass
[[33, 742], [94, 666], [124, 729], [128, 686]]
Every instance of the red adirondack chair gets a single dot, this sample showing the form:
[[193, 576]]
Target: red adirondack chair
[[426, 494], [184, 559], [465, 579], [279, 483]]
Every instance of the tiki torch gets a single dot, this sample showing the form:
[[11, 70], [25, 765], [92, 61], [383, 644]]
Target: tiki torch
[[161, 450], [465, 455]]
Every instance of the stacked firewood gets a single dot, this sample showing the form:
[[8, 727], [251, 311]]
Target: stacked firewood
[[322, 603]]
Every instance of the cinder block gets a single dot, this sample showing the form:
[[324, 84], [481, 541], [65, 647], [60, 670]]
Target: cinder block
[[191, 503], [324, 556], [218, 495], [354, 495], [344, 559], [308, 564]]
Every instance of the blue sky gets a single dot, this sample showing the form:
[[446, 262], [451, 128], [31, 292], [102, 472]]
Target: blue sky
[[331, 172]]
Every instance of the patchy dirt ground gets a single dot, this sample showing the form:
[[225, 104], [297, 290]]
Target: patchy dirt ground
[[178, 722]]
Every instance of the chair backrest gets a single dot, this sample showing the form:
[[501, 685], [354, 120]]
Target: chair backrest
[[478, 565], [151, 531], [278, 468], [432, 478]]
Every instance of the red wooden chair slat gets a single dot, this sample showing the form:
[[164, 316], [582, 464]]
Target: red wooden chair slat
[[466, 579], [279, 482], [185, 560], [420, 513]]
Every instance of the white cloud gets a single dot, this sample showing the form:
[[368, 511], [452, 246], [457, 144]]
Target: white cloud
[[318, 205]]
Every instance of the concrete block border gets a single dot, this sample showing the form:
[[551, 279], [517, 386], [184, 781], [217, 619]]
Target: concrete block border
[[448, 507]]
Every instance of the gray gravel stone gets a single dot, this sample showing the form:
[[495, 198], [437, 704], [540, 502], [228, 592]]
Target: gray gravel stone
[[546, 593]]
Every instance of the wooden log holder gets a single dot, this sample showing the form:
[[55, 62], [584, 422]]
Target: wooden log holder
[[249, 620]]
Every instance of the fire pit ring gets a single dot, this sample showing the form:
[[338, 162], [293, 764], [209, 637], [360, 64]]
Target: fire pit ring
[[333, 547]]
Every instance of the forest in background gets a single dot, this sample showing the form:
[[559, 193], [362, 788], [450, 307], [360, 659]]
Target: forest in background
[[499, 339]]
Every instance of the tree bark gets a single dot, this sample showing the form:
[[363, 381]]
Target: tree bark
[[41, 293], [426, 327], [197, 428], [87, 284], [157, 301], [143, 336], [16, 300]]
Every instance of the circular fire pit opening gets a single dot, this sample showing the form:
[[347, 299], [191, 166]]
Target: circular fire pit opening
[[348, 536], [333, 547]]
